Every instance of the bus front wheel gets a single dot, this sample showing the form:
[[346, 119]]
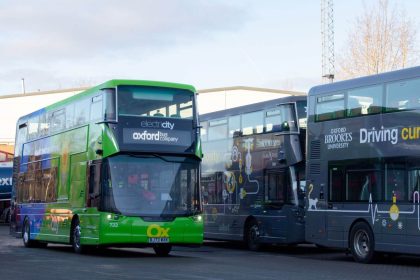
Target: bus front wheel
[[75, 237], [26, 235], [362, 243], [252, 235], [162, 250]]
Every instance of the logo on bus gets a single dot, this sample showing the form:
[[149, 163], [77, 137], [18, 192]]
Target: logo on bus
[[379, 135], [338, 138], [158, 124], [390, 135], [157, 234], [5, 181], [158, 136]]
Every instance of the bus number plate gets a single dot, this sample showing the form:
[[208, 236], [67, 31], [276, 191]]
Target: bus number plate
[[158, 240]]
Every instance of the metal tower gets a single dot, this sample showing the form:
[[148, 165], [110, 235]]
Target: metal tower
[[327, 37]]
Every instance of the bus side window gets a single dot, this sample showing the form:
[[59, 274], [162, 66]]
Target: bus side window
[[359, 185], [81, 112], [204, 129], [33, 124], [96, 108], [213, 188], [219, 187], [278, 188], [217, 129], [395, 184], [22, 135], [58, 121], [337, 190], [43, 125], [253, 123], [49, 184], [70, 116], [413, 183], [330, 107], [403, 95], [365, 100], [234, 125]]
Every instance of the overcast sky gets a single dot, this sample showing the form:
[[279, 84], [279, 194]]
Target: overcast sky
[[55, 44]]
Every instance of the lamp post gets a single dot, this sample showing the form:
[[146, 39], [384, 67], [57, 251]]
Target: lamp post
[[23, 86]]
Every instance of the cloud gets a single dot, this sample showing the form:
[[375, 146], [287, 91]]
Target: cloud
[[37, 38], [60, 29]]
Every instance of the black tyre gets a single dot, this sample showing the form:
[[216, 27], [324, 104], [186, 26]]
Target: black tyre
[[26, 235], [76, 232], [162, 250], [362, 243], [252, 236]]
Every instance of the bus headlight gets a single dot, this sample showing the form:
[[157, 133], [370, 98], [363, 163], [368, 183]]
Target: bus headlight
[[198, 218]]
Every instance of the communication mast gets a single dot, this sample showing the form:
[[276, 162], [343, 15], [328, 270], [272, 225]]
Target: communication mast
[[327, 37]]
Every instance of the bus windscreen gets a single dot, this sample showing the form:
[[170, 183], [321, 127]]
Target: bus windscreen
[[155, 102], [151, 186]]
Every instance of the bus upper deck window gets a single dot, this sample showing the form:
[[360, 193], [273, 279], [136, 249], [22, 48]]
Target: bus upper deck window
[[152, 101], [33, 124], [363, 101], [330, 107], [403, 95], [110, 104]]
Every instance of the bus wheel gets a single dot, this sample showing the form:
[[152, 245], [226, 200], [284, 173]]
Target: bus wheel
[[162, 250], [252, 236], [362, 243], [75, 237], [26, 235]]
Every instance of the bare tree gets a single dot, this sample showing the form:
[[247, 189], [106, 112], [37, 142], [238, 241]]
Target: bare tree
[[382, 40]]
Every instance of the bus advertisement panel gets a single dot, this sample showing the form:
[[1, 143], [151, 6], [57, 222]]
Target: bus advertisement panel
[[364, 164], [115, 165]]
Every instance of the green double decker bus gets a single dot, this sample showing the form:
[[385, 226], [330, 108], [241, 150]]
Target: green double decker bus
[[116, 165]]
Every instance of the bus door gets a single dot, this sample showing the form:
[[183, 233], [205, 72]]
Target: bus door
[[316, 186], [333, 222], [396, 209], [279, 200], [214, 206], [91, 191]]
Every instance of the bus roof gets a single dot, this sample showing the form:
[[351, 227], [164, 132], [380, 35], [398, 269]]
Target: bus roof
[[366, 81], [109, 84], [251, 107]]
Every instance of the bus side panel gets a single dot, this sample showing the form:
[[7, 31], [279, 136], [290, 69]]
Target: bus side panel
[[78, 184], [315, 220], [34, 214], [90, 221]]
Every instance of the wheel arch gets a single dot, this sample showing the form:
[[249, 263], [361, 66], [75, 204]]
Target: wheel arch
[[358, 220], [248, 221], [73, 221], [25, 220]]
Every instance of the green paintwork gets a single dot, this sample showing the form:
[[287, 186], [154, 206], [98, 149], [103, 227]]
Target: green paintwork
[[109, 142], [198, 149], [135, 230]]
